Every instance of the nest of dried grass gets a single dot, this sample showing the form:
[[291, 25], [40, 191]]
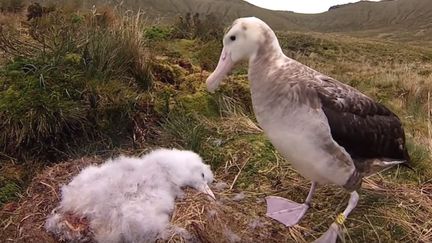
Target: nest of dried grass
[[224, 220], [27, 217]]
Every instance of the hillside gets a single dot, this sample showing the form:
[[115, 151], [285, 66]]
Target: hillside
[[364, 15], [225, 10], [395, 19]]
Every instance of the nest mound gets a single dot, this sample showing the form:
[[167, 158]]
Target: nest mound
[[28, 216], [233, 217]]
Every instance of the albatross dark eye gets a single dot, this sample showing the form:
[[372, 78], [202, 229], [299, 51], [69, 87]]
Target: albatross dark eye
[[233, 38], [202, 174]]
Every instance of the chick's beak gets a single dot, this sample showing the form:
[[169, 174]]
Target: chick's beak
[[206, 189]]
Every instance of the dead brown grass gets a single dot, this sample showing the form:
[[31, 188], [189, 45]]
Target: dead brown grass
[[8, 20], [24, 221], [410, 207], [429, 112]]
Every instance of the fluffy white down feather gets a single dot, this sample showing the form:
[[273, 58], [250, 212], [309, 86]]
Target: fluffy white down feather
[[130, 199]]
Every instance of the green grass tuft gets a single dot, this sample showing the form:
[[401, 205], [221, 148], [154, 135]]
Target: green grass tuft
[[187, 130], [8, 192], [73, 82]]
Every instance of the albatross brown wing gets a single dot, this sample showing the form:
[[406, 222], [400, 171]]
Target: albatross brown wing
[[365, 128]]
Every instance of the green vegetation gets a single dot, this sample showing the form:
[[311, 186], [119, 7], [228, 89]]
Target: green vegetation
[[99, 82], [9, 192], [156, 33], [73, 81]]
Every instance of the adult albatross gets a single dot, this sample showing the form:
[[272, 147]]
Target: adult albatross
[[330, 132]]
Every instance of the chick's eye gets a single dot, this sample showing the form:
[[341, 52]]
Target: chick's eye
[[202, 174], [233, 38]]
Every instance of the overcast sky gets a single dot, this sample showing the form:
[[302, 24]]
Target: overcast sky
[[300, 6]]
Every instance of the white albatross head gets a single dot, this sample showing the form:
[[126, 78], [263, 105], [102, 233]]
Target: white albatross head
[[185, 168], [241, 42]]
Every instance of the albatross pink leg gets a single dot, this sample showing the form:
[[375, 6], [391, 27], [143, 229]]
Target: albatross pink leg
[[286, 211], [330, 236]]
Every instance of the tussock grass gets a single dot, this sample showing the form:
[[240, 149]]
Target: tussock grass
[[188, 131], [235, 118], [70, 78]]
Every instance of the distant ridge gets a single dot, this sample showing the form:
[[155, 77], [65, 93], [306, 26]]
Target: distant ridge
[[397, 19]]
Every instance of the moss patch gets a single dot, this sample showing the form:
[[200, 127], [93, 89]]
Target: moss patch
[[167, 72], [200, 102]]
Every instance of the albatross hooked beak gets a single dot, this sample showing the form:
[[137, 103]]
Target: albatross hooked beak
[[225, 65], [204, 188]]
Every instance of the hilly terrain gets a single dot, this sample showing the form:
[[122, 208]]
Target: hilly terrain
[[396, 19], [406, 20]]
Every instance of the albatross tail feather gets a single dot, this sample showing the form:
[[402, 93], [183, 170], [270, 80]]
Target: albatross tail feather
[[368, 167]]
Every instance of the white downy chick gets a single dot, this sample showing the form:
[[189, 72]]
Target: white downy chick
[[131, 199]]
